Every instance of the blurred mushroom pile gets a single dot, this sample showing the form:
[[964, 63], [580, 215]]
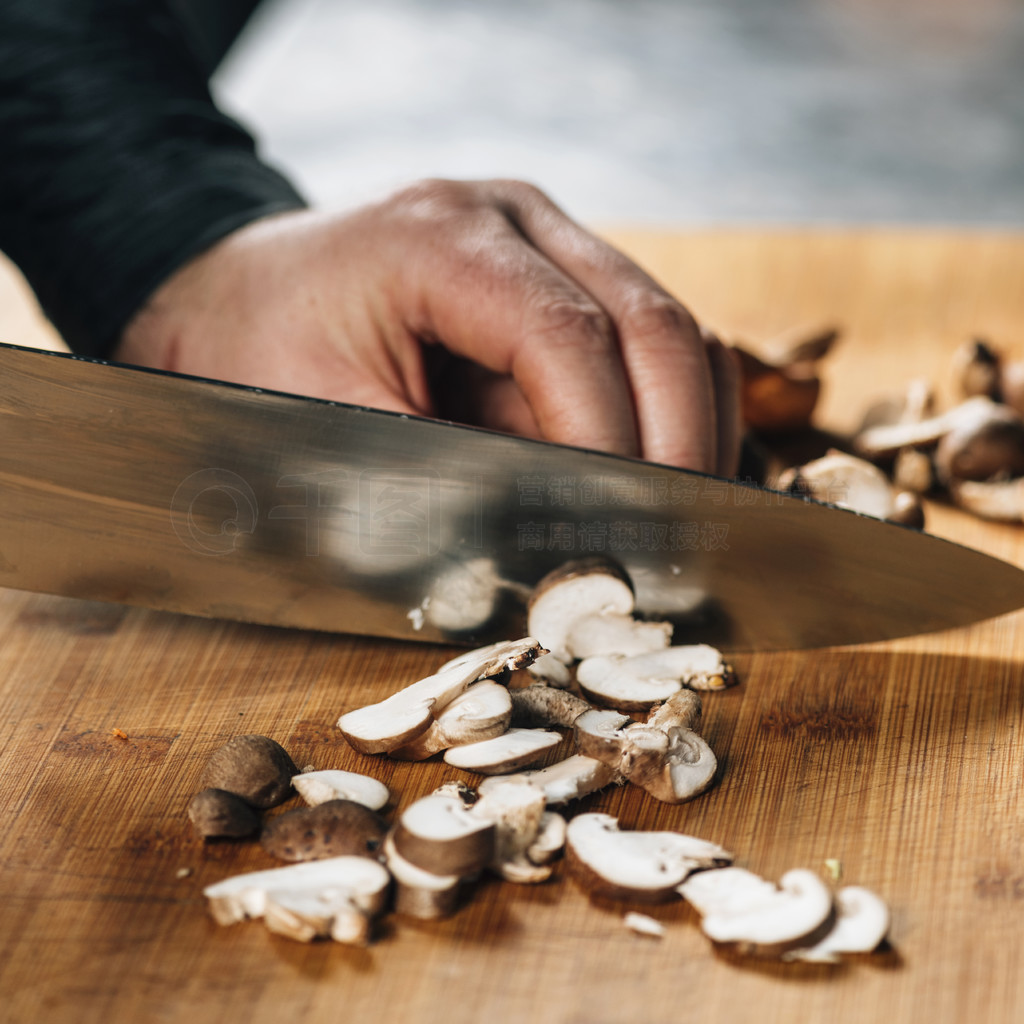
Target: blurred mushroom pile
[[905, 448]]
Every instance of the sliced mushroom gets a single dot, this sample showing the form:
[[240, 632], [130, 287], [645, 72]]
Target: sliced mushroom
[[644, 866], [549, 670], [481, 712], [493, 659], [439, 834], [571, 779], [616, 633], [550, 839], [635, 683], [999, 500], [317, 787], [516, 807], [644, 924], [913, 471], [887, 439], [464, 596], [590, 586], [769, 922], [255, 768], [987, 444], [728, 890], [673, 764], [539, 706], [861, 923], [332, 829], [976, 368], [843, 480], [419, 893], [245, 896], [305, 915], [683, 710], [513, 750]]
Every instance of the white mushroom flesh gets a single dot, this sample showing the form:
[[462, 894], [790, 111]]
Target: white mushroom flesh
[[509, 752], [862, 922], [317, 787], [616, 633], [575, 777]]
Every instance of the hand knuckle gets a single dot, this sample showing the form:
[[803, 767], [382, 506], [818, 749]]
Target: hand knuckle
[[577, 323], [658, 319]]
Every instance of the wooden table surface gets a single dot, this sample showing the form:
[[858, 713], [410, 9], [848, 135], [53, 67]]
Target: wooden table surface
[[901, 760]]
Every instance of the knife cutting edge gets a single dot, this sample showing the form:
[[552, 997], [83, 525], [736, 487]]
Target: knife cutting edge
[[148, 488]]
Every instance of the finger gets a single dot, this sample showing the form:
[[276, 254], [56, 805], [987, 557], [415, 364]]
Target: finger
[[664, 355], [725, 373], [531, 321]]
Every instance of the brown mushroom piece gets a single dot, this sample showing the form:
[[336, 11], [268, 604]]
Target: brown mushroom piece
[[218, 814], [976, 368], [987, 444], [317, 787], [642, 866], [576, 590], [768, 921], [365, 881], [510, 752], [540, 706], [255, 768], [438, 833], [636, 683], [481, 712], [999, 500], [335, 828], [861, 924], [418, 893]]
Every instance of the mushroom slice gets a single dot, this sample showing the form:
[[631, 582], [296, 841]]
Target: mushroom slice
[[493, 659], [440, 834], [616, 633], [726, 890], [549, 670], [635, 683], [539, 705], [888, 439], [305, 915], [645, 866], [419, 893], [1000, 500], [861, 923], [509, 752], [575, 777], [843, 480], [480, 712], [245, 896], [600, 734], [334, 784], [683, 710], [987, 444], [516, 807], [395, 721], [589, 586], [673, 766], [769, 922], [550, 840]]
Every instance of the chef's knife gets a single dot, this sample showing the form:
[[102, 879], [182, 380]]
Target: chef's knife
[[196, 496]]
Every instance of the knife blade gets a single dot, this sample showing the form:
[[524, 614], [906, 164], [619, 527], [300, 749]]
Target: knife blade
[[178, 493]]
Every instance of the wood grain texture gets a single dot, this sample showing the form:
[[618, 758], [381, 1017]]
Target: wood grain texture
[[901, 760]]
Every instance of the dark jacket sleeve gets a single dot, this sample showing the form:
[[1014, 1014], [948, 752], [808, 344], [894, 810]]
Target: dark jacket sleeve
[[115, 165]]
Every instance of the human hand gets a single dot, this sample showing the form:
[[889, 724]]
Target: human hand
[[477, 301]]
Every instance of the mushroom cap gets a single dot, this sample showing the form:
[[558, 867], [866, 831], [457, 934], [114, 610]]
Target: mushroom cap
[[644, 866], [318, 787], [768, 923], [334, 828], [509, 752], [682, 771], [846, 481], [440, 834], [986, 444], [255, 768], [589, 586], [218, 814]]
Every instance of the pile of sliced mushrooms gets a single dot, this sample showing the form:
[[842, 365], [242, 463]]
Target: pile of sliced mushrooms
[[631, 704], [905, 449]]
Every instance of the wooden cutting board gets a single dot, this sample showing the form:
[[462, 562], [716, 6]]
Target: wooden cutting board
[[902, 760]]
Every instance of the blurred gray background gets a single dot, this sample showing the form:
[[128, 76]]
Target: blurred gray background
[[671, 112]]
